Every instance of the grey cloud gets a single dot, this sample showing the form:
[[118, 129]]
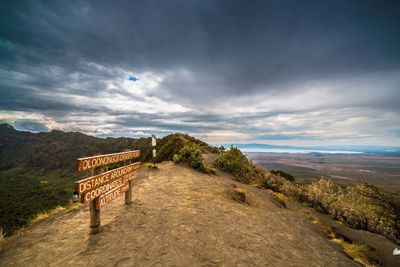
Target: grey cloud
[[209, 52], [161, 122], [32, 126]]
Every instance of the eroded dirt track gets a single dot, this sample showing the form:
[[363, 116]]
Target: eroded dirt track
[[179, 217]]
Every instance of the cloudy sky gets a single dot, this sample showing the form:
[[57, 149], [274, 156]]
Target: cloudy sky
[[277, 72]]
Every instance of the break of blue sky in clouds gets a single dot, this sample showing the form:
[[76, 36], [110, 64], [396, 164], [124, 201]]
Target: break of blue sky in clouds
[[279, 72]]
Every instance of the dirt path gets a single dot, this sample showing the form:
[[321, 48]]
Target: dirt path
[[180, 217]]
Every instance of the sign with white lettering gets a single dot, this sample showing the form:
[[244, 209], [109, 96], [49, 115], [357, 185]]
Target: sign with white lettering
[[97, 192], [100, 189], [110, 196], [101, 160], [91, 183]]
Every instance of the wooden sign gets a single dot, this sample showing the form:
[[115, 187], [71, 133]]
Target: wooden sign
[[100, 189], [82, 164], [97, 192], [110, 196], [91, 183]]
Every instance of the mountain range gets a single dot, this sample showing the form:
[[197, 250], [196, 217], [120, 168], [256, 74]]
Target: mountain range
[[367, 149]]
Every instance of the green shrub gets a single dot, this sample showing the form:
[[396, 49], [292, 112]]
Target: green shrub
[[234, 162], [283, 174], [273, 182], [192, 155], [323, 194], [171, 144], [279, 184]]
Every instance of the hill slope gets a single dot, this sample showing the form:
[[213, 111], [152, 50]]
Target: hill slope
[[179, 217], [37, 169]]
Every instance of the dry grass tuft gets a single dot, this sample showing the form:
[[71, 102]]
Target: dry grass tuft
[[360, 253], [149, 165], [2, 235], [44, 215], [239, 194], [311, 217], [211, 171], [326, 229], [281, 199]]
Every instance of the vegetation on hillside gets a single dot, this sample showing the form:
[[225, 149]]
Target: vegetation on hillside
[[283, 174], [361, 206], [192, 155], [173, 143], [234, 162]]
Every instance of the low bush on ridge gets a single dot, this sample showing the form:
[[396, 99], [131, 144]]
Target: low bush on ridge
[[192, 155], [234, 162], [170, 145], [283, 174]]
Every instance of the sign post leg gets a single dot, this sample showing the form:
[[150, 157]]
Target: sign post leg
[[94, 213], [128, 194], [94, 217]]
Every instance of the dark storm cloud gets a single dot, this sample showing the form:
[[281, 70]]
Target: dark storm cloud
[[208, 53], [246, 44]]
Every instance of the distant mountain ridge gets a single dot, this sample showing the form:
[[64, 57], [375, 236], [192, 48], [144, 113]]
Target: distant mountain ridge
[[58, 150], [368, 149]]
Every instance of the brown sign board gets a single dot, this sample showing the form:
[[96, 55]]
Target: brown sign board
[[104, 189], [110, 196], [99, 190], [82, 164], [91, 183]]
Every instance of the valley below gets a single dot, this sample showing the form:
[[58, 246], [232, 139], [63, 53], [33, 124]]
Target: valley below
[[344, 169]]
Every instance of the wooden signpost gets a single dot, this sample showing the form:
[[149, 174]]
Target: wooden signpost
[[101, 188]]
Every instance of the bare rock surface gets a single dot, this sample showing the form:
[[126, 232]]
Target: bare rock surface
[[180, 217]]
